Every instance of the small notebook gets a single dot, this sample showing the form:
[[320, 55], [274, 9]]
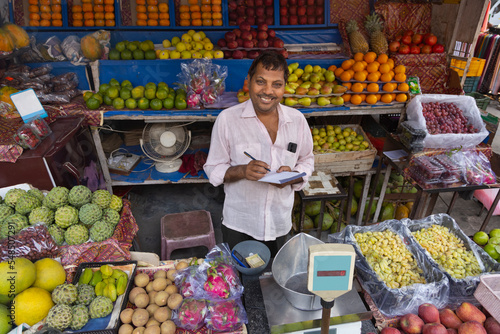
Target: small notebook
[[280, 178]]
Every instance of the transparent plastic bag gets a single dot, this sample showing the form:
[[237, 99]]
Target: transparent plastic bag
[[39, 71], [189, 283], [407, 299], [475, 167], [54, 49], [226, 316], [40, 127], [28, 136], [190, 314], [71, 48], [33, 242]]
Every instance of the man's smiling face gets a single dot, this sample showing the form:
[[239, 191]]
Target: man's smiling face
[[266, 89]]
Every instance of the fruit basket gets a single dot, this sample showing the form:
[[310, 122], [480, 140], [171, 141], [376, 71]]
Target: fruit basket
[[488, 292]]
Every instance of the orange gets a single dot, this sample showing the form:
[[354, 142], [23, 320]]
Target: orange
[[357, 87], [206, 2], [33, 2], [163, 7], [373, 77], [45, 23], [98, 2], [217, 16], [152, 23], [347, 64], [364, 84], [332, 68], [89, 23], [358, 66], [216, 8], [400, 69], [359, 76], [87, 7], [403, 87], [207, 22], [45, 16], [356, 99], [34, 9], [216, 2], [153, 16], [346, 97], [371, 99], [372, 88], [183, 8], [138, 2], [370, 57], [111, 8], [164, 22], [358, 56], [382, 58], [197, 22], [140, 9], [34, 23], [338, 71], [184, 16], [193, 2], [164, 16], [401, 97], [345, 76], [194, 8], [77, 16], [99, 23], [185, 23], [88, 16], [393, 95], [205, 8], [386, 77], [400, 77], [140, 16], [363, 97], [44, 2], [56, 16], [99, 8], [351, 72], [217, 22], [142, 23], [109, 16], [100, 16], [76, 8], [386, 98], [152, 2], [390, 61], [152, 9], [77, 23], [378, 96], [195, 15], [388, 87], [347, 85], [391, 72], [110, 23], [35, 16], [206, 15], [56, 2], [384, 68], [372, 67]]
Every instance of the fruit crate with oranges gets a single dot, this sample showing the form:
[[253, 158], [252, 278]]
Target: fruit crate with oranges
[[331, 160], [92, 13], [197, 13], [38, 13], [142, 13]]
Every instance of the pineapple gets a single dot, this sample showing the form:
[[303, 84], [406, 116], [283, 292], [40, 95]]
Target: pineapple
[[378, 42], [356, 39]]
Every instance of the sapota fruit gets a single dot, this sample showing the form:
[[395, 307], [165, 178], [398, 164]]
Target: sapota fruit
[[471, 327], [451, 331], [428, 313], [434, 328], [411, 323], [449, 319], [492, 326], [467, 312], [390, 330]]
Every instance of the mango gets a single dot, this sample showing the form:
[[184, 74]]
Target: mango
[[434, 328], [467, 312], [411, 323], [390, 330], [449, 319], [471, 327], [428, 313], [492, 326], [451, 331]]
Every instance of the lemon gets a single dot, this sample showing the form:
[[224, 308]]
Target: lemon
[[49, 274], [186, 38], [175, 40], [31, 306], [166, 43], [20, 272], [5, 321], [180, 47]]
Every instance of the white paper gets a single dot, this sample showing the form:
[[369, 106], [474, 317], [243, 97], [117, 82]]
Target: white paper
[[396, 155], [280, 178], [28, 105]]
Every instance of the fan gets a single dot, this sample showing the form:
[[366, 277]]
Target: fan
[[165, 143]]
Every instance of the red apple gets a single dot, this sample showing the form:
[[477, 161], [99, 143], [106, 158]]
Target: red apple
[[437, 48], [260, 11], [283, 20], [232, 5], [269, 20], [398, 38], [237, 54], [301, 11], [263, 44], [428, 313], [237, 32], [240, 19], [246, 35], [404, 49], [269, 11], [292, 10], [390, 330], [252, 54], [248, 44], [239, 41], [283, 11], [260, 20], [414, 49], [411, 323], [301, 3], [268, 3], [271, 33], [259, 3], [278, 43], [250, 3], [408, 32], [434, 328], [250, 12], [430, 39], [283, 3], [230, 36], [261, 35], [233, 16], [263, 27], [319, 11], [310, 2], [394, 46], [270, 40], [251, 20], [227, 54], [320, 19], [311, 20], [232, 45], [320, 2], [292, 2], [243, 52], [417, 38], [222, 43], [254, 33], [420, 45], [284, 53], [303, 20], [311, 10], [241, 10], [293, 19], [426, 49], [406, 39]]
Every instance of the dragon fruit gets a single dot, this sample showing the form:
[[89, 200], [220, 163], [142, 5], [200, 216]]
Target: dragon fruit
[[198, 83], [193, 101], [225, 316], [215, 285], [209, 96], [228, 273], [191, 314]]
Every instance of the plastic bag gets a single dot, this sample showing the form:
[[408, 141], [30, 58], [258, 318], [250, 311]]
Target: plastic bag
[[461, 290], [33, 242], [54, 98], [392, 302], [186, 280], [226, 316], [54, 49], [28, 136], [449, 140], [475, 167], [39, 71], [190, 314], [71, 48]]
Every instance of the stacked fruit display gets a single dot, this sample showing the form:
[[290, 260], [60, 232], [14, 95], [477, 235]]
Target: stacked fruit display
[[124, 95], [200, 13], [128, 50], [415, 43], [90, 13], [71, 216], [45, 13], [302, 12], [253, 12], [467, 318], [370, 79], [190, 45], [491, 242], [152, 13], [335, 138], [247, 42]]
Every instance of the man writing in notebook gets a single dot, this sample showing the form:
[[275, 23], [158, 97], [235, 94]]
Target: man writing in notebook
[[279, 139]]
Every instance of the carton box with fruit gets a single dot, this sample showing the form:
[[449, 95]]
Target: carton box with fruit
[[342, 148]]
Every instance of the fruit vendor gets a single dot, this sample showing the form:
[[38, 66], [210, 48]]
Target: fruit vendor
[[278, 138]]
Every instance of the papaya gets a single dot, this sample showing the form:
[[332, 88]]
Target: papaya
[[6, 42], [409, 205], [387, 212], [5, 92], [402, 212], [19, 35], [91, 48]]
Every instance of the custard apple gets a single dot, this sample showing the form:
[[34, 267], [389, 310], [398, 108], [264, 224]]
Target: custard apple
[[56, 198], [65, 294], [12, 225], [5, 211], [59, 317], [80, 317], [76, 234], [116, 203], [79, 195], [100, 307], [13, 195], [90, 213], [111, 216], [102, 198], [41, 214], [26, 203], [86, 294], [101, 231], [66, 216], [36, 193], [57, 234]]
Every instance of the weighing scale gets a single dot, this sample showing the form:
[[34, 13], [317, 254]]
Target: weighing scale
[[330, 276]]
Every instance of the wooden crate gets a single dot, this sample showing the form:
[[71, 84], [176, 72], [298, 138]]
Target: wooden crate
[[355, 161]]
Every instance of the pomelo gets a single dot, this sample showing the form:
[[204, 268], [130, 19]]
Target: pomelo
[[5, 321], [313, 208], [16, 275], [49, 274], [31, 306], [327, 221]]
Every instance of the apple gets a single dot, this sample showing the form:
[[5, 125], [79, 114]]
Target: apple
[[246, 35], [250, 3], [233, 16], [283, 20], [319, 11], [261, 35], [398, 38], [227, 54], [251, 20], [320, 2], [311, 20], [426, 49], [255, 42], [254, 33], [268, 3], [269, 11], [237, 54], [311, 10], [310, 2], [237, 32], [270, 20], [230, 36], [248, 44], [278, 43], [394, 46], [283, 3], [263, 44], [293, 19], [245, 26], [292, 2], [259, 3], [239, 41], [260, 20], [420, 45], [292, 10], [260, 11], [406, 39], [241, 10], [301, 11], [250, 12], [430, 39], [222, 43], [232, 5], [408, 32], [271, 33], [417, 38], [404, 49], [438, 48], [414, 49], [252, 54], [320, 19], [301, 3], [302, 20], [262, 27], [244, 53], [284, 53], [240, 19]]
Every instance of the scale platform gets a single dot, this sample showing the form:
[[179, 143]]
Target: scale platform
[[346, 314]]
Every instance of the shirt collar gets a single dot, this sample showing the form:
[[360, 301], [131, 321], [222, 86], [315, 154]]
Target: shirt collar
[[249, 111]]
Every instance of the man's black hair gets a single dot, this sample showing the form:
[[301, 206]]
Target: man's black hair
[[271, 61]]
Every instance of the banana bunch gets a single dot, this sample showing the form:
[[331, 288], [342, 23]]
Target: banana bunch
[[108, 282]]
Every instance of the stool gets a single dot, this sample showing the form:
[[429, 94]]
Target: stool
[[184, 230]]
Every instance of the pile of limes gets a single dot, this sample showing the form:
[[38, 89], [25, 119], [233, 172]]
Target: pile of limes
[[125, 95], [491, 242], [128, 50]]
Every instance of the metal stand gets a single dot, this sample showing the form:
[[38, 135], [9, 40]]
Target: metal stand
[[325, 316]]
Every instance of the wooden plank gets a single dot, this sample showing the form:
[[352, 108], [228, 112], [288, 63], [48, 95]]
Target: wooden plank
[[102, 158]]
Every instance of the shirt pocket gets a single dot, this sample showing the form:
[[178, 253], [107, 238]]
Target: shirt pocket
[[287, 158], [238, 155]]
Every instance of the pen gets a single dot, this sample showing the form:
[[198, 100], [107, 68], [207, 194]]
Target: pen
[[248, 155]]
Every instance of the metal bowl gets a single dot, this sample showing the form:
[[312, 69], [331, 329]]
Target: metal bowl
[[289, 270]]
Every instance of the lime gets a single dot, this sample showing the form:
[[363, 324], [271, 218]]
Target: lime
[[180, 103], [138, 54], [181, 92], [171, 95], [175, 40], [150, 85], [156, 104], [494, 240], [126, 55], [126, 83], [103, 88], [98, 97], [125, 93], [143, 103], [480, 238], [145, 46], [87, 96], [114, 54], [93, 103], [150, 55], [131, 46], [137, 93], [162, 85], [151, 44], [114, 82], [118, 103], [131, 103], [113, 92], [168, 103], [491, 250], [161, 94], [150, 93], [120, 46], [495, 233], [107, 100]]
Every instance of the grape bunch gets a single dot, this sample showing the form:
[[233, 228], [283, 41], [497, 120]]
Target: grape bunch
[[444, 117]]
